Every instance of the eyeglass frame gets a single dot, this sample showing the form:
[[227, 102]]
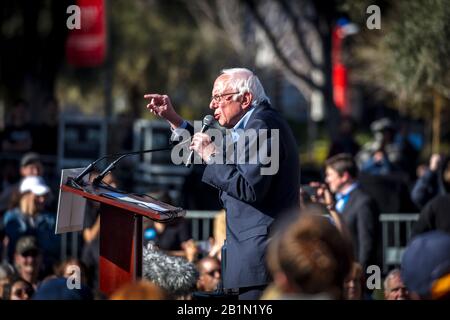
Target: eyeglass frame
[[218, 97], [212, 273]]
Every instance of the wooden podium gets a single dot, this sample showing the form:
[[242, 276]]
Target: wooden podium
[[120, 259]]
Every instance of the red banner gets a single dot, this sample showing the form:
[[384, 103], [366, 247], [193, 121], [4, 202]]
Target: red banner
[[340, 75], [340, 84], [86, 46]]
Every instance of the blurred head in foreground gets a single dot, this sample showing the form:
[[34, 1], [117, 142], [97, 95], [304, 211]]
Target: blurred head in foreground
[[310, 259], [426, 266], [142, 290]]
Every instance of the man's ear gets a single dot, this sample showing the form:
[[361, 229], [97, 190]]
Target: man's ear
[[246, 101], [281, 281], [347, 176]]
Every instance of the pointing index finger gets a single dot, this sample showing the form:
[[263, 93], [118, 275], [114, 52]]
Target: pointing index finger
[[152, 95]]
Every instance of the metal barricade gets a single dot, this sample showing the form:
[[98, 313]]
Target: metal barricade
[[201, 230], [396, 230], [201, 223]]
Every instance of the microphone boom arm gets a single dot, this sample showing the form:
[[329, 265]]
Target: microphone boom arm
[[112, 165]]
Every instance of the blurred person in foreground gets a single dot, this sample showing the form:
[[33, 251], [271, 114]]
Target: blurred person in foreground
[[141, 290], [309, 260], [57, 289], [394, 287], [252, 200], [317, 199], [425, 267]]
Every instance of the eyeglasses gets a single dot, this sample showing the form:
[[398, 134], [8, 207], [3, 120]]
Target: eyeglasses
[[212, 272], [218, 97], [30, 253], [20, 292]]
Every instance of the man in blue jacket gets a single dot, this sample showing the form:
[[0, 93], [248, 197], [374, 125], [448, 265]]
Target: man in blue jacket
[[257, 182]]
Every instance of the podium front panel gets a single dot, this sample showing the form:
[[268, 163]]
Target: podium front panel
[[117, 248]]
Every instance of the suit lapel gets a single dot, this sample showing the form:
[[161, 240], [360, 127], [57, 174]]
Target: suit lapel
[[350, 201]]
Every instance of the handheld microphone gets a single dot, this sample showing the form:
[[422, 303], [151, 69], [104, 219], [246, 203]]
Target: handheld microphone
[[208, 121]]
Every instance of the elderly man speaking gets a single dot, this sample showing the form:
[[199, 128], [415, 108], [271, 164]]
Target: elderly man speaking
[[252, 198]]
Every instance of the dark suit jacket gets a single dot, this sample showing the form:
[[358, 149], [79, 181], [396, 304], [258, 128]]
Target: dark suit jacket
[[435, 216], [253, 201], [361, 217]]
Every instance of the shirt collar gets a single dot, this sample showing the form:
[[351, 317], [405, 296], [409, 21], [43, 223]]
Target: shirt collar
[[241, 124], [352, 187]]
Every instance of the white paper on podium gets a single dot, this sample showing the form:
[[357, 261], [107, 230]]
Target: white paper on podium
[[71, 207], [145, 204]]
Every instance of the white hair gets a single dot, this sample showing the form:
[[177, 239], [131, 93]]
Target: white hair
[[392, 274], [244, 80]]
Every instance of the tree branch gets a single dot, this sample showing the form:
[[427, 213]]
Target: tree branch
[[283, 59]]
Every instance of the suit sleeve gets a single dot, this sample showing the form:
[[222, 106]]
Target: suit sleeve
[[244, 181], [424, 189], [425, 222], [367, 231]]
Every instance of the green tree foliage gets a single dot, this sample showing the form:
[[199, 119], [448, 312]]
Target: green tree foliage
[[408, 58], [420, 47]]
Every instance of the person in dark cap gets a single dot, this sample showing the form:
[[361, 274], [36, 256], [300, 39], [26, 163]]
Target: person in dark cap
[[390, 152], [31, 165], [426, 266], [57, 289], [380, 155], [28, 259]]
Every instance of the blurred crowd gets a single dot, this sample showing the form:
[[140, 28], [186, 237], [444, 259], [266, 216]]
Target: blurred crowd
[[323, 251]]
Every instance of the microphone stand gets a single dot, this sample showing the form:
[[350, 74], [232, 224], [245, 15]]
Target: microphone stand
[[113, 164]]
